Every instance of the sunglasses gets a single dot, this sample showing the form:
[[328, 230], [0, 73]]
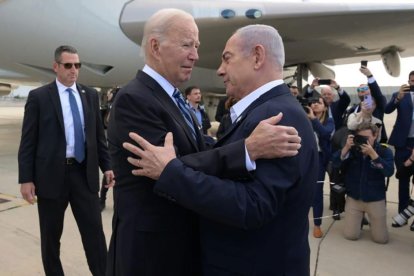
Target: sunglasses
[[363, 88], [70, 65]]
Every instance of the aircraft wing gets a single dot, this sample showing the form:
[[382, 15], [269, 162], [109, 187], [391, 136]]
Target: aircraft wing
[[313, 32], [107, 34]]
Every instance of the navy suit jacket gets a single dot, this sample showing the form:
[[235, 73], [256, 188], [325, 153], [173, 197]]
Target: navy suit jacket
[[257, 223], [42, 152], [146, 227], [403, 122]]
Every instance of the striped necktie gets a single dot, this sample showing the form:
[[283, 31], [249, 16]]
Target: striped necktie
[[184, 110], [77, 126]]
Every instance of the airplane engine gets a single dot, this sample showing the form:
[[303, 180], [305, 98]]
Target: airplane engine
[[320, 70], [391, 60], [5, 89]]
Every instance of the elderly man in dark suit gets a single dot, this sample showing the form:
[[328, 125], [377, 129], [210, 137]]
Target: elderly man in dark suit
[[62, 147], [250, 223], [152, 235]]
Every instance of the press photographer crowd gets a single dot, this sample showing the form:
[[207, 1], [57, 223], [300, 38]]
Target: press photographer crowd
[[358, 155]]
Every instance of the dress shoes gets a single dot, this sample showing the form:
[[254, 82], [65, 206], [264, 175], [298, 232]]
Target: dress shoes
[[396, 225], [317, 232], [336, 215]]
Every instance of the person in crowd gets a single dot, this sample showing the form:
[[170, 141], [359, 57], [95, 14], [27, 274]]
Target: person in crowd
[[323, 127], [193, 96], [152, 235], [405, 171], [62, 147], [374, 90], [104, 187], [221, 109], [259, 218], [365, 115], [225, 122], [366, 165], [402, 136], [294, 90], [337, 111], [336, 108]]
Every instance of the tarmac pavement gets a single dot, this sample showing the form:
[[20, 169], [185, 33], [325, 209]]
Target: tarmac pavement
[[330, 255]]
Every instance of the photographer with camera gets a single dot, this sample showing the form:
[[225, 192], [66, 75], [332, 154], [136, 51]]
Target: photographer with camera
[[336, 109], [366, 165], [402, 138], [323, 126]]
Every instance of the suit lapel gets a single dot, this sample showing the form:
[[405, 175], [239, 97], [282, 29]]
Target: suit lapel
[[169, 105], [54, 95], [274, 92]]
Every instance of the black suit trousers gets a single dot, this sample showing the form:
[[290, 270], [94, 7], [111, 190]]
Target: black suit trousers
[[85, 208]]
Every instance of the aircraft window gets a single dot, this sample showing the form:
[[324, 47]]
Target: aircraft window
[[227, 13]]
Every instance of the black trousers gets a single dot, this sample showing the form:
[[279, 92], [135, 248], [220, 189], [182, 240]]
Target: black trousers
[[85, 208]]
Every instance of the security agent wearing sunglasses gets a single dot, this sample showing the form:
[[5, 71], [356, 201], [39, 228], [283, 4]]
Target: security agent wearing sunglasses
[[63, 145], [371, 88]]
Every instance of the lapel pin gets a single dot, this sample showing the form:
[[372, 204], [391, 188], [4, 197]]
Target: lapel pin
[[83, 91]]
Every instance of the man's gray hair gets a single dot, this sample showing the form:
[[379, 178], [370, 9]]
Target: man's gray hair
[[265, 35], [64, 49], [159, 24]]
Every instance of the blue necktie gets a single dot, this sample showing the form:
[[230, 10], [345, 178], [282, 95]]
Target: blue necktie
[[77, 125], [184, 110]]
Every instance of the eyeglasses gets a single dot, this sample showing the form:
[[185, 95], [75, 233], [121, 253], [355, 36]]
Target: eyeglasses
[[363, 88], [70, 65]]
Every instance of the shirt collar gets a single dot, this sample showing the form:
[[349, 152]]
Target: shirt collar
[[237, 109], [166, 85], [62, 87]]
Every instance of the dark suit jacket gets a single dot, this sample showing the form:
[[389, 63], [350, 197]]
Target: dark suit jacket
[[252, 224], [403, 122], [42, 151], [142, 106]]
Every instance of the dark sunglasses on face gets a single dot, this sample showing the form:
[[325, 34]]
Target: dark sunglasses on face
[[362, 89], [70, 65]]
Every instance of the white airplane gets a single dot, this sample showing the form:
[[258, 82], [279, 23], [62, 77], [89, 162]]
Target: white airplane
[[107, 34]]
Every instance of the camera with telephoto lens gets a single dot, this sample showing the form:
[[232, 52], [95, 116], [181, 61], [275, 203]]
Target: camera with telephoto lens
[[406, 214]]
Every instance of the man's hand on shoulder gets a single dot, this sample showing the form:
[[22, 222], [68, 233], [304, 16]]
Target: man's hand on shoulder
[[152, 159], [269, 140]]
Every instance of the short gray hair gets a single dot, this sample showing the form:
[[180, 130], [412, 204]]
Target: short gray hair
[[64, 49], [265, 35]]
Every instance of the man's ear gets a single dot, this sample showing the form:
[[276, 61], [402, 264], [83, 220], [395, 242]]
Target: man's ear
[[260, 54], [154, 47]]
